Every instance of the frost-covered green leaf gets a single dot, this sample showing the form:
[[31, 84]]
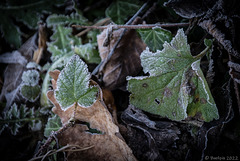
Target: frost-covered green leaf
[[176, 87], [58, 53], [29, 88], [74, 18], [59, 63], [16, 117], [155, 38], [30, 77], [30, 93], [88, 52], [54, 123], [33, 65], [61, 38], [73, 85], [59, 58], [61, 41], [120, 10]]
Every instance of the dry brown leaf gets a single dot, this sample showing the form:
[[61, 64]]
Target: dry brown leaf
[[125, 60], [108, 145], [105, 147], [109, 102], [14, 70]]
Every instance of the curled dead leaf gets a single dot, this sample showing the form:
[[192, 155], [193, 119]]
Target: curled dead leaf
[[105, 147], [108, 143], [125, 60]]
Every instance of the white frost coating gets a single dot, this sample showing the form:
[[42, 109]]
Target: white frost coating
[[195, 67], [163, 61], [33, 65], [14, 57], [29, 99], [73, 85], [30, 77], [136, 78], [156, 27], [181, 37], [183, 101]]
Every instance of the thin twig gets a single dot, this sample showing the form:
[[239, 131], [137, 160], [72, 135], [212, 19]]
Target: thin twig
[[67, 148], [147, 26], [101, 22], [119, 39], [52, 136]]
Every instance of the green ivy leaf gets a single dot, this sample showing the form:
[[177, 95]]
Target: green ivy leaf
[[74, 18], [88, 52], [73, 85], [176, 87], [155, 38], [120, 10], [54, 123]]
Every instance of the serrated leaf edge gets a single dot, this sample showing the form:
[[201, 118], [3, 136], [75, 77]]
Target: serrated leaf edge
[[88, 83]]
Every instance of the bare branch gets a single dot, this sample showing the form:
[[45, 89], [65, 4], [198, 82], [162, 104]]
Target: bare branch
[[147, 26]]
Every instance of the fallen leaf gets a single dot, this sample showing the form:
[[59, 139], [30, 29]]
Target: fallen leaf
[[14, 70], [125, 60], [107, 142], [109, 102], [104, 147], [155, 136]]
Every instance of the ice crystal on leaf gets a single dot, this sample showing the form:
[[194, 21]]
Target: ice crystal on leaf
[[176, 87], [73, 85], [30, 77]]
